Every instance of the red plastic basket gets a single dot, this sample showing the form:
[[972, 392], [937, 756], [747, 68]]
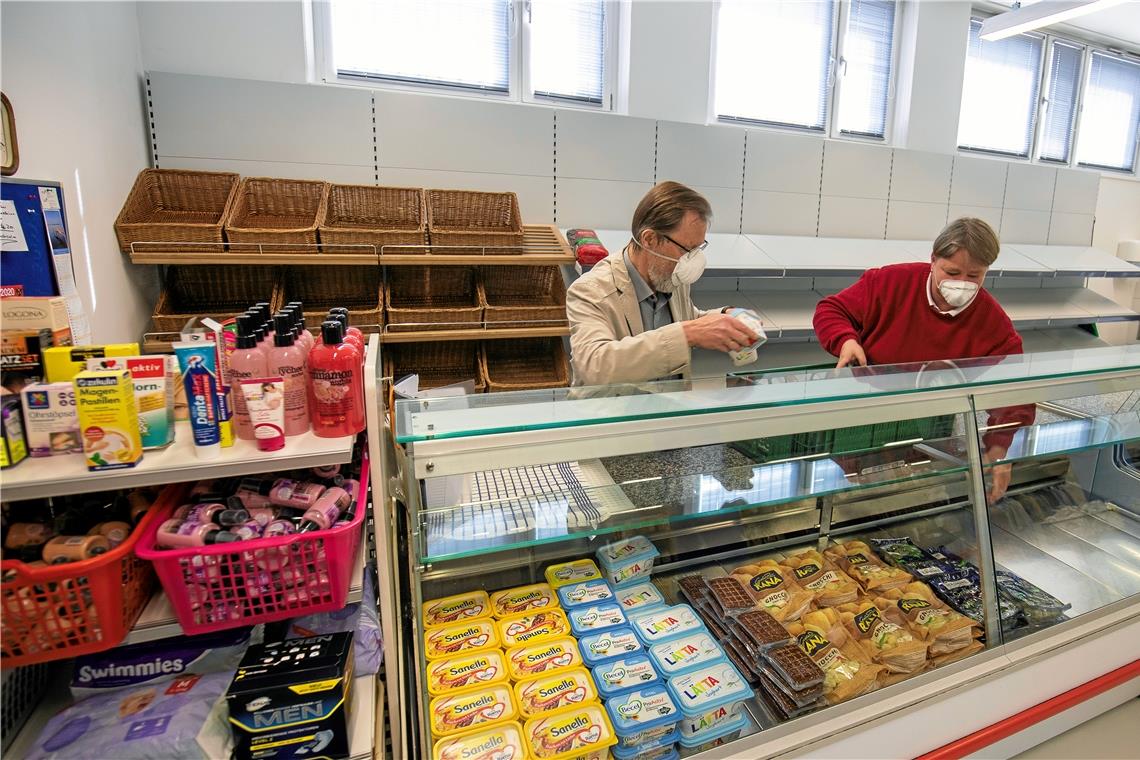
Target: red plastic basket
[[52, 613], [215, 587]]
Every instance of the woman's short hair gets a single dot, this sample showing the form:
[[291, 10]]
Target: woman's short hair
[[665, 205], [977, 237]]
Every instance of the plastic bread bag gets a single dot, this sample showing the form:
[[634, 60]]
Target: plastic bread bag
[[1038, 606], [958, 654], [930, 618], [361, 619], [858, 561], [828, 584], [846, 673], [885, 641], [904, 553], [774, 589]]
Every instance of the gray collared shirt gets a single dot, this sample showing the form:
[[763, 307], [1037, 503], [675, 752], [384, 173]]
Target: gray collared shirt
[[655, 311]]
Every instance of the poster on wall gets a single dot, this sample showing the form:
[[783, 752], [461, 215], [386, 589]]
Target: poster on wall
[[11, 230]]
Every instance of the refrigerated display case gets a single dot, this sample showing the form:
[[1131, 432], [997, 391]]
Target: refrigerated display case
[[886, 477]]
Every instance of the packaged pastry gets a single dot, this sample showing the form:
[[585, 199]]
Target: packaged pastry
[[886, 642], [617, 642], [643, 716], [828, 584], [627, 561], [465, 638], [572, 572], [844, 676], [502, 740], [728, 597], [466, 671], [548, 657], [625, 674], [711, 621], [794, 667], [665, 623], [466, 710], [774, 590], [760, 630], [934, 622], [639, 598], [799, 697], [586, 592], [685, 654], [522, 599], [533, 627], [709, 697], [474, 605], [547, 693], [872, 574], [595, 618], [569, 733], [693, 588]]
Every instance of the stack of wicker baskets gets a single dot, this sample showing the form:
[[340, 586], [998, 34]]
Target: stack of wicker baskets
[[218, 292], [176, 209]]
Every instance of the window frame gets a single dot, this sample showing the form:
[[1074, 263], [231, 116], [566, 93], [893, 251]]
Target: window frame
[[1086, 72]]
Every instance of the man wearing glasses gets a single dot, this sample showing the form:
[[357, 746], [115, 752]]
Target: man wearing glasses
[[632, 318]]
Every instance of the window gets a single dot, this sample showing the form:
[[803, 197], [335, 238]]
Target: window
[[782, 62], [534, 50], [1110, 122], [999, 93], [1064, 81]]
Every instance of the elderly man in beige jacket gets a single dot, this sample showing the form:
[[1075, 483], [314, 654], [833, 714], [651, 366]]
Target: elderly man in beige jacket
[[632, 318]]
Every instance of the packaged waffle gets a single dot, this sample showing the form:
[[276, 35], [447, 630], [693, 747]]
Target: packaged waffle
[[547, 657], [465, 638], [758, 631], [794, 668], [846, 674], [547, 693], [466, 671], [872, 574], [533, 627], [828, 584], [467, 710], [569, 733], [523, 599], [502, 740], [778, 701], [728, 597], [774, 590], [886, 642], [474, 605], [743, 661], [944, 629], [693, 588]]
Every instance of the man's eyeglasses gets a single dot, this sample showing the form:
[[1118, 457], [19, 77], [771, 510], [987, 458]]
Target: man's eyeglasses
[[687, 251]]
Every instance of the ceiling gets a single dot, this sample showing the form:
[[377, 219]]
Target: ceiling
[[1119, 21]]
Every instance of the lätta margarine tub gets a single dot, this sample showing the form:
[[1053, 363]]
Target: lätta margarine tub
[[643, 716], [522, 599], [709, 697], [466, 672], [534, 627], [683, 654], [566, 688], [464, 638], [466, 710], [665, 623], [572, 572], [474, 605], [547, 657], [616, 642], [502, 740], [569, 733], [595, 618], [627, 561], [625, 674], [639, 598], [586, 592]]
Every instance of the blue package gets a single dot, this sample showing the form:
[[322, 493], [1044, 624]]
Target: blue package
[[640, 598], [716, 736], [595, 618], [628, 561], [685, 654], [587, 592], [709, 697], [665, 623], [623, 674], [609, 645], [662, 749], [643, 716]]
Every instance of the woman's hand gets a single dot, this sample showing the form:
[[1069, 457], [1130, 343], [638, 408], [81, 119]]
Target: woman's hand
[[1000, 474], [851, 353]]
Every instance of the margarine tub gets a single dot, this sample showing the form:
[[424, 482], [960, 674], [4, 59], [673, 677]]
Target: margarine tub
[[729, 732], [572, 572], [450, 610], [466, 710], [548, 693], [595, 618], [663, 750], [531, 660], [643, 716], [638, 598], [586, 592], [569, 733], [516, 601], [534, 627], [466, 672], [709, 697], [665, 623], [627, 561], [616, 642], [625, 674], [465, 638], [493, 743], [687, 653]]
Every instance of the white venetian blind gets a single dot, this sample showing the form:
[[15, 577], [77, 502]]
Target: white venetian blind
[[567, 49], [866, 68], [1110, 119], [1061, 100], [457, 43]]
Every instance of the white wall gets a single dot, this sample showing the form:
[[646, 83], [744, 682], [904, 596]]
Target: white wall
[[670, 50], [1118, 218], [73, 74]]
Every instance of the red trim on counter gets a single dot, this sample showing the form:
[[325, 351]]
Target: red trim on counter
[[978, 740]]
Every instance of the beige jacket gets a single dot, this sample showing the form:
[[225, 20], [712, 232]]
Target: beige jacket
[[608, 341]]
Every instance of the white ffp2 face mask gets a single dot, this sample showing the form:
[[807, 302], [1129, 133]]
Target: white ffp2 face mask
[[688, 269], [958, 293]]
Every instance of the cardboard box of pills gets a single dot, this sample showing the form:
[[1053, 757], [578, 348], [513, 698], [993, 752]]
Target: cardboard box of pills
[[155, 377], [62, 364], [108, 419], [51, 421]]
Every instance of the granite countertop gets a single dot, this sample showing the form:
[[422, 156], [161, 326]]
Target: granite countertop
[[665, 477]]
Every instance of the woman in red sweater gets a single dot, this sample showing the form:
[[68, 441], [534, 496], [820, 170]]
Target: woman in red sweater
[[925, 312]]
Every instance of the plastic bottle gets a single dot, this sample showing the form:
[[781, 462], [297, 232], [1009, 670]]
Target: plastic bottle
[[74, 548], [347, 329], [337, 381], [346, 337], [176, 534], [287, 360], [246, 362], [325, 512]]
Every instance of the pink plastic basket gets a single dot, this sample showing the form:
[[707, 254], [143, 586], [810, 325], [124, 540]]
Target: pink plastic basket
[[215, 587]]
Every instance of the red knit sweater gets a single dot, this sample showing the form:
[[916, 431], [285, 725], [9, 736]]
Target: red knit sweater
[[888, 313]]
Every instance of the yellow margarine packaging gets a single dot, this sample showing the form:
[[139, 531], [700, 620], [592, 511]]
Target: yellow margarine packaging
[[516, 601], [534, 627], [63, 363], [465, 638], [546, 657], [450, 610], [466, 672], [108, 419], [502, 740], [569, 733], [572, 572], [567, 688], [455, 713]]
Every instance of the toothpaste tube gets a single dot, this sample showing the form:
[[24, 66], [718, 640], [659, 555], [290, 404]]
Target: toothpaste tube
[[199, 374]]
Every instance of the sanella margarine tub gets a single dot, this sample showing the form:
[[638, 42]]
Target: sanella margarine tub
[[569, 733], [643, 716], [685, 653], [625, 674], [531, 660], [709, 697], [534, 627], [466, 710], [466, 672], [665, 623], [522, 599], [502, 740], [464, 638], [547, 693], [627, 561], [616, 642], [460, 608]]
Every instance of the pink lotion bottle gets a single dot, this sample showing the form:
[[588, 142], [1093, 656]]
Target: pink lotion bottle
[[304, 337], [287, 359], [246, 363]]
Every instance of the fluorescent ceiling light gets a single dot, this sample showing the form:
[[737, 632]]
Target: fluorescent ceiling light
[[1029, 17]]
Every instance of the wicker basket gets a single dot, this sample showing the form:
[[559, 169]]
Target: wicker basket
[[320, 288], [524, 295], [277, 211], [386, 217], [484, 223], [433, 298], [437, 363], [218, 292], [524, 365], [176, 206]]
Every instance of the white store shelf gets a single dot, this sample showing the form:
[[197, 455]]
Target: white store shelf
[[811, 256], [1077, 260], [1058, 307]]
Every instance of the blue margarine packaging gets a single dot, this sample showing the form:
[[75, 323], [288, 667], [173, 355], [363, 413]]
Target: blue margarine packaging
[[595, 618], [710, 697], [627, 561], [643, 716], [686, 653], [586, 592], [665, 623], [639, 598], [665, 749], [625, 674], [616, 642]]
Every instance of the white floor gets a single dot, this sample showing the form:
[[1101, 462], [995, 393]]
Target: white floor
[[1111, 735]]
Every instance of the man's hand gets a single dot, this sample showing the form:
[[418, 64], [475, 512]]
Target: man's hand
[[718, 332], [851, 353], [1000, 474]]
